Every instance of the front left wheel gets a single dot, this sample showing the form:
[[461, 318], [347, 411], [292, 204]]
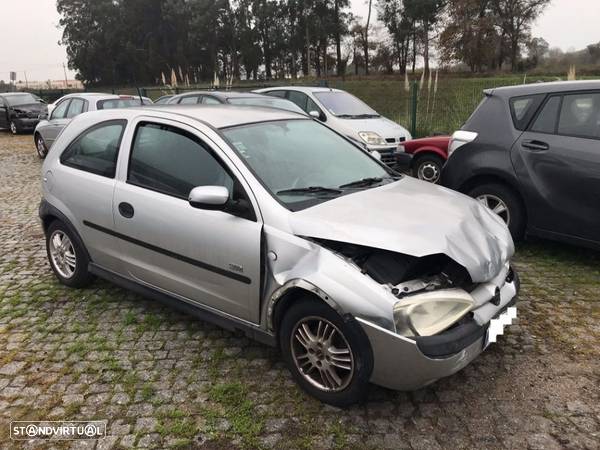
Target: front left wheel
[[40, 146], [14, 129], [330, 358], [68, 259], [428, 167]]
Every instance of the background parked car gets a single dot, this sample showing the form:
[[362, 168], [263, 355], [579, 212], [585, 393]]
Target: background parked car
[[70, 106], [429, 155], [347, 115], [233, 98], [20, 111], [532, 154], [164, 99]]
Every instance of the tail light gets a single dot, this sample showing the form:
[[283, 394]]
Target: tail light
[[460, 138]]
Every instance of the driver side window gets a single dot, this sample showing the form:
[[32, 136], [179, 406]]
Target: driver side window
[[61, 110]]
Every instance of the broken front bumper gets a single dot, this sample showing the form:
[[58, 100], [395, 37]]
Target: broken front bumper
[[407, 364]]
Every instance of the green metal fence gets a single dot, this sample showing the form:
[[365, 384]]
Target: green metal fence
[[425, 107]]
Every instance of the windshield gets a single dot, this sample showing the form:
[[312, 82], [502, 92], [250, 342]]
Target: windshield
[[268, 102], [118, 103], [21, 99], [302, 162], [342, 104]]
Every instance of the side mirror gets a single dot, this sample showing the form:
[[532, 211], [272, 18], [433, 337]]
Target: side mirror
[[43, 116], [209, 197], [317, 115], [375, 154]]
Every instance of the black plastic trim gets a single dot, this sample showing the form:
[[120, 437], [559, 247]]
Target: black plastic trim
[[194, 262], [197, 311]]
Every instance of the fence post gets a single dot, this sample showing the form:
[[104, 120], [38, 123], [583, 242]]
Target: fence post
[[413, 107]]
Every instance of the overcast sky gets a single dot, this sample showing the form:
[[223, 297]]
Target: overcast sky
[[30, 34]]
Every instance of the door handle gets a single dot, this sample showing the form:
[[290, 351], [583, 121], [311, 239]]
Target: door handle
[[126, 210], [535, 145]]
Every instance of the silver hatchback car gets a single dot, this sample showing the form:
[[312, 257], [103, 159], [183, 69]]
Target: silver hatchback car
[[266, 221]]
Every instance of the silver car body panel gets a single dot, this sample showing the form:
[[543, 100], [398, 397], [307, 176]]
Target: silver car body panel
[[407, 216]]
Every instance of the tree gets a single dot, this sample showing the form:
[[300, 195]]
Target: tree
[[515, 18], [427, 13], [399, 27], [365, 39]]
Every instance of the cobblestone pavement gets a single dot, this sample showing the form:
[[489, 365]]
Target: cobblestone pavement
[[164, 380]]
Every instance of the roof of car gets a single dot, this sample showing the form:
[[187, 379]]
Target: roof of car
[[223, 116], [305, 89], [544, 88], [10, 94], [221, 94]]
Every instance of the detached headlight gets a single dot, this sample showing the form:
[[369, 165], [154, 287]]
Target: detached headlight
[[428, 314], [371, 138]]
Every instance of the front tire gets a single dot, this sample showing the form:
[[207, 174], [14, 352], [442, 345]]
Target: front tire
[[428, 167], [14, 129], [506, 203], [67, 257], [330, 358], [40, 146]]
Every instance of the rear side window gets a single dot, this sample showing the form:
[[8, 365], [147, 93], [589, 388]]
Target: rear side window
[[96, 150], [522, 109], [580, 115], [173, 162], [190, 100], [546, 120], [209, 100], [117, 103]]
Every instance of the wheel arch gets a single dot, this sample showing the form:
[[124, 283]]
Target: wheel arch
[[428, 150]]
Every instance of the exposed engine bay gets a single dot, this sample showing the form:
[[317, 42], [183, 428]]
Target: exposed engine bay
[[404, 274]]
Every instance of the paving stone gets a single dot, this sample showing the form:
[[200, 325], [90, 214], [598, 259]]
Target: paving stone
[[161, 378]]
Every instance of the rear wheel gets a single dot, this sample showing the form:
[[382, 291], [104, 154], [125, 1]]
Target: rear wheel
[[328, 357], [67, 257], [428, 167], [503, 201], [40, 146]]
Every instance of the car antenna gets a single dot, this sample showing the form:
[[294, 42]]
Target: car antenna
[[140, 96]]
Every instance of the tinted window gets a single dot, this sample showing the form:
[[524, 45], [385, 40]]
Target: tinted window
[[522, 109], [190, 100], [61, 110], [546, 120], [580, 115], [276, 94], [96, 150], [76, 107], [298, 98], [208, 100], [173, 162]]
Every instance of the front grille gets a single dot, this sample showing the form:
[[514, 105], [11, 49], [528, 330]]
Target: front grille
[[390, 140], [388, 156], [402, 139]]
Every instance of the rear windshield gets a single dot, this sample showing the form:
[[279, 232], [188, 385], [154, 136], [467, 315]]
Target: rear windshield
[[21, 99], [117, 103]]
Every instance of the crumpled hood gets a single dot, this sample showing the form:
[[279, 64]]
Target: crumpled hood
[[415, 218], [380, 125]]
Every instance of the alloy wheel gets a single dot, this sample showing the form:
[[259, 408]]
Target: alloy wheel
[[497, 205], [62, 253], [41, 147], [322, 354], [13, 128], [429, 171]]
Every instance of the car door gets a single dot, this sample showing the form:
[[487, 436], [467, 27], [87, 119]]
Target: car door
[[84, 181], [208, 257], [56, 122], [3, 114], [557, 160]]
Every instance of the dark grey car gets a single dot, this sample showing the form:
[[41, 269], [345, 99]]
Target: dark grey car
[[532, 154]]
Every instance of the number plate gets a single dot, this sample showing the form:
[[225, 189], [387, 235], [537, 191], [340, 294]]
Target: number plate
[[497, 325]]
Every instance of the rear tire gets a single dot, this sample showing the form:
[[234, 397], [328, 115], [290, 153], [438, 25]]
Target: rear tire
[[67, 257], [330, 358], [428, 167], [506, 203]]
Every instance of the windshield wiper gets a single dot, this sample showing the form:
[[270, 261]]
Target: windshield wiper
[[364, 182], [309, 190], [357, 116]]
